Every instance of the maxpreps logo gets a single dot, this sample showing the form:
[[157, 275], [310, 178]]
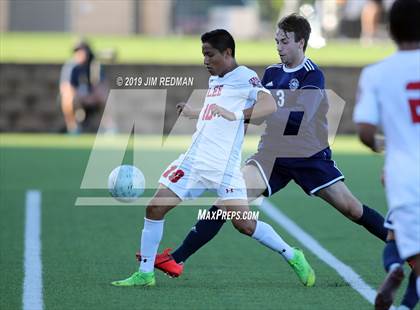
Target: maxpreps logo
[[220, 214], [255, 81]]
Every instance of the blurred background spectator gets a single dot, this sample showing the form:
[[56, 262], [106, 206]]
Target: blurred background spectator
[[371, 14], [83, 90], [371, 17]]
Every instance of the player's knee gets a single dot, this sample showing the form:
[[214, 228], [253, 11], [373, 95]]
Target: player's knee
[[246, 227]]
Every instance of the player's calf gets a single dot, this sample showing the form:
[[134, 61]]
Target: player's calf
[[246, 227], [339, 196], [239, 221], [353, 211]]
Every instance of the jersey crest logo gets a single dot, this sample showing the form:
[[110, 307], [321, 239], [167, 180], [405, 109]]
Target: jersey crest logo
[[255, 81], [293, 84]]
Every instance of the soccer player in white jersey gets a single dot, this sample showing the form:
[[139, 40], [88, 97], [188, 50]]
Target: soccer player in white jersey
[[214, 157], [389, 96]]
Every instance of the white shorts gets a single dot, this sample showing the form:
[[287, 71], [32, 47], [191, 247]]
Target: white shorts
[[188, 182], [405, 222]]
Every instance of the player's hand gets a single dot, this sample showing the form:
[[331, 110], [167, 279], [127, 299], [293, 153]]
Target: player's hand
[[219, 111], [184, 109]]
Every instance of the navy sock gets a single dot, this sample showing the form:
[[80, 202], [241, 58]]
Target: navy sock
[[373, 222], [391, 255], [200, 234], [410, 298]]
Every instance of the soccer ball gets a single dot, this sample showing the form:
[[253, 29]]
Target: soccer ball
[[126, 183]]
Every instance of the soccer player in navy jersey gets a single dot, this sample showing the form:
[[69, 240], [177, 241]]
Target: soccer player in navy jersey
[[293, 147]]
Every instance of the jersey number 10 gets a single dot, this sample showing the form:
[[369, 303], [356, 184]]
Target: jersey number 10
[[207, 115]]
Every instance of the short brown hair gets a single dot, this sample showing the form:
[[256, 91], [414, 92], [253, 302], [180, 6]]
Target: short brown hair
[[297, 24]]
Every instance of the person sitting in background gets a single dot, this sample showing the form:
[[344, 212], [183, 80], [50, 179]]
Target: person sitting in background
[[83, 90]]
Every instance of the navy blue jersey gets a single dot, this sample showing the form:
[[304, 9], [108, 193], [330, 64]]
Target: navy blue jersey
[[82, 76], [299, 126]]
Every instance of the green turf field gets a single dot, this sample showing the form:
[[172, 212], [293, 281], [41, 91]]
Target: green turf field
[[85, 248], [56, 48]]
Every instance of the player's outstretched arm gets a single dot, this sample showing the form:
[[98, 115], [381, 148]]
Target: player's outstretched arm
[[186, 110], [264, 106], [217, 110]]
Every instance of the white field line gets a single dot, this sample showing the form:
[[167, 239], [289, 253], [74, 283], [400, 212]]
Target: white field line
[[32, 284], [345, 271]]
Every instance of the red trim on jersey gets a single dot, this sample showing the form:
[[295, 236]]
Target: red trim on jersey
[[413, 85], [414, 106], [414, 103]]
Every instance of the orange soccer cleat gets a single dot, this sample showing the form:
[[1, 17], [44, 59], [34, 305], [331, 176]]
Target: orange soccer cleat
[[165, 262]]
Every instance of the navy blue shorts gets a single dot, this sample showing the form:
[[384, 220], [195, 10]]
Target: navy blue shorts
[[311, 174]]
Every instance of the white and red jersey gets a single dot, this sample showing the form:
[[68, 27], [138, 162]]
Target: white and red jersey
[[389, 96], [217, 142]]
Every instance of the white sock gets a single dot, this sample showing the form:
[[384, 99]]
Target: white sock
[[394, 266], [266, 235], [150, 239], [418, 285]]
